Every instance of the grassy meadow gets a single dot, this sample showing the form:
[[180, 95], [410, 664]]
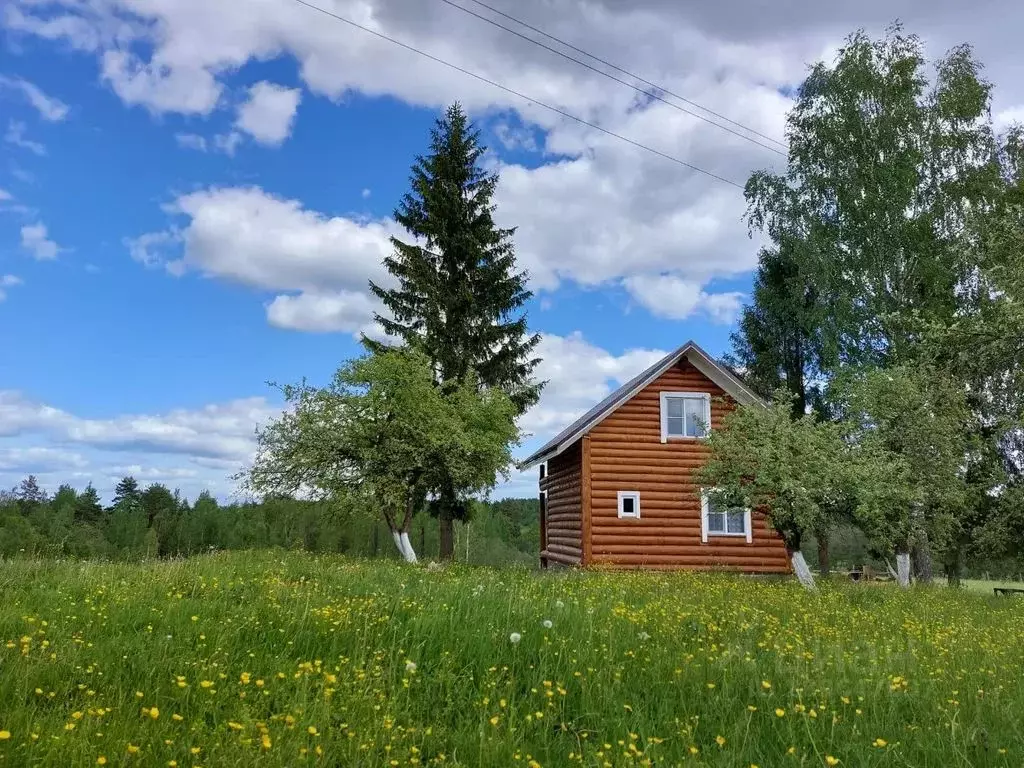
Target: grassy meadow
[[270, 659]]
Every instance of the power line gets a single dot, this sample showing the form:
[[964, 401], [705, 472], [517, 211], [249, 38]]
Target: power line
[[523, 96], [616, 67]]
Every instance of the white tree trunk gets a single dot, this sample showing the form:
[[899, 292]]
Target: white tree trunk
[[410, 553], [404, 545], [903, 569], [803, 573]]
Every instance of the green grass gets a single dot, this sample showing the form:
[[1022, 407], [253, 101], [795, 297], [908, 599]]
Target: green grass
[[375, 664]]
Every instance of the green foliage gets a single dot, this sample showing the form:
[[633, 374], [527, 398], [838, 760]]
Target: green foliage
[[387, 663], [383, 432], [502, 533], [794, 470], [458, 289]]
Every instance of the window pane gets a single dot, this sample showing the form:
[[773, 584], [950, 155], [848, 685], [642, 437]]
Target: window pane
[[674, 425], [716, 522], [736, 521], [694, 417], [675, 406], [627, 505]]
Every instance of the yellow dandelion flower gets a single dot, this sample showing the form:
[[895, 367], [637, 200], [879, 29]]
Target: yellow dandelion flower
[[177, 718], [195, 750], [312, 730], [235, 726], [5, 735], [133, 749], [879, 743], [172, 763], [206, 684], [244, 678], [265, 741], [494, 720], [101, 760], [720, 740], [766, 684], [780, 712], [829, 760]]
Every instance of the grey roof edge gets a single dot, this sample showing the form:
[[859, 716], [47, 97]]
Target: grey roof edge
[[701, 360]]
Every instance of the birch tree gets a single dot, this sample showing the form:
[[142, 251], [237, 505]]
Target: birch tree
[[384, 432]]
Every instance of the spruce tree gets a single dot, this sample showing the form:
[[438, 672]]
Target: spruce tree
[[459, 293]]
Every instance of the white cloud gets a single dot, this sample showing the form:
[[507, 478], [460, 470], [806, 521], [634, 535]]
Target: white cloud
[[319, 265], [1008, 117], [269, 112], [5, 195], [49, 108], [222, 431], [191, 141], [365, 193], [227, 142], [35, 460], [34, 239], [8, 281], [671, 297], [16, 135], [159, 85]]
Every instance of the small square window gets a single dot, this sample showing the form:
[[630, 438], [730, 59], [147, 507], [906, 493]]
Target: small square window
[[629, 504]]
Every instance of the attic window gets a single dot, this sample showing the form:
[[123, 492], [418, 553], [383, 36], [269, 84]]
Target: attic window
[[685, 415]]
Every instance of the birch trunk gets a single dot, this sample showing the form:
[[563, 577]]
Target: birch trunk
[[803, 573], [903, 569]]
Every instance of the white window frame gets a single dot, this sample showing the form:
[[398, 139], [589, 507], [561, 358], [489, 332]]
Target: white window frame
[[635, 495], [705, 534], [666, 396]]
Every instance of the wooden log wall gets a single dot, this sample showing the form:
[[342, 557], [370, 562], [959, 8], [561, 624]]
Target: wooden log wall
[[563, 508], [626, 454]]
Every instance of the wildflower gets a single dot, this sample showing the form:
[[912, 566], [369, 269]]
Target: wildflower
[[101, 760], [720, 740], [235, 726], [312, 731], [177, 718], [133, 749], [780, 712], [559, 604], [195, 750], [644, 636], [206, 684], [265, 741], [514, 638], [410, 666], [172, 763], [139, 694], [494, 720], [5, 735], [766, 684], [244, 678], [751, 708], [879, 743], [151, 712], [547, 624], [831, 760]]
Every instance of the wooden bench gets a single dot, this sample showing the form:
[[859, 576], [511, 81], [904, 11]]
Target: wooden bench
[[1008, 590]]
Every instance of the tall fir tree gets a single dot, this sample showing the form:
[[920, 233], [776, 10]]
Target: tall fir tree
[[459, 294]]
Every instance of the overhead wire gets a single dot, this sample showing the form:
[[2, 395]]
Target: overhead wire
[[650, 94], [518, 94]]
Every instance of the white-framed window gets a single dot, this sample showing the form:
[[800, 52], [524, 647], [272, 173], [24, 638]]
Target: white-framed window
[[719, 518], [629, 504], [685, 415]]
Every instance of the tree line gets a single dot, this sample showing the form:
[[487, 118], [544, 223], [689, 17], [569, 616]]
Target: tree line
[[887, 320], [154, 521]]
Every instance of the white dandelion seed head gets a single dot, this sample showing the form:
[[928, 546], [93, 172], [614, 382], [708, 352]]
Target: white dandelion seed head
[[410, 666], [515, 637], [559, 604], [547, 624]]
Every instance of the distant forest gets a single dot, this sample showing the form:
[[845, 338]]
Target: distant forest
[[157, 522]]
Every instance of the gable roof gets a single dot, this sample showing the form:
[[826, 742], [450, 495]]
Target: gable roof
[[701, 360]]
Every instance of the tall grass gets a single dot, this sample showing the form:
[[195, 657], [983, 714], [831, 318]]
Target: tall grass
[[257, 659]]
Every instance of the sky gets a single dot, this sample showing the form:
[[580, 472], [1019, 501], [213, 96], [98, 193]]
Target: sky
[[194, 195]]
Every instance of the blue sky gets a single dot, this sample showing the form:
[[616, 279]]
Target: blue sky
[[193, 199]]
